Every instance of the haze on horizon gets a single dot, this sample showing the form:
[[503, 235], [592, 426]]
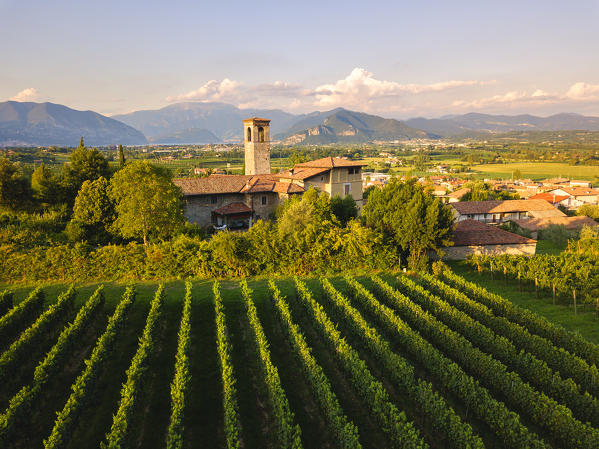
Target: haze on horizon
[[395, 59]]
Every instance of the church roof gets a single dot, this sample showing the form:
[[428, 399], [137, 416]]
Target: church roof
[[331, 162], [221, 184]]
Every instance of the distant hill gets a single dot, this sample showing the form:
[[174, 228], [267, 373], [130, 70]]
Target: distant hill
[[341, 125], [223, 120], [45, 124], [459, 124], [186, 136]]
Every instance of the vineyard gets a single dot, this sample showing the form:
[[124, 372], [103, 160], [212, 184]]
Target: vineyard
[[375, 361]]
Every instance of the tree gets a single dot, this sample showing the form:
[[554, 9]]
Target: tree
[[45, 185], [14, 188], [410, 218], [146, 201], [517, 174], [344, 208], [590, 210], [121, 154], [93, 209], [84, 164]]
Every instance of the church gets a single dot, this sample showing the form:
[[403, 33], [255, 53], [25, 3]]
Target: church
[[237, 201]]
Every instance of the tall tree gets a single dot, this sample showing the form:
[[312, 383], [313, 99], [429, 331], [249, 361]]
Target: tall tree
[[14, 188], [85, 164], [414, 220], [93, 209], [146, 201], [344, 208], [45, 185], [121, 154]]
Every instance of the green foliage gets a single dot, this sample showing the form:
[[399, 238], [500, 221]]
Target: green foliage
[[344, 208], [230, 407], [557, 234], [345, 431], [22, 348], [94, 210], [131, 390], [544, 411], [395, 424], [504, 423], [121, 156], [438, 413], [288, 433], [590, 210], [11, 321], [146, 201], [411, 218], [14, 188], [45, 185], [85, 164], [83, 388], [182, 378]]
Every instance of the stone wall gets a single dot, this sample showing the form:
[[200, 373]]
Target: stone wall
[[462, 252], [198, 209]]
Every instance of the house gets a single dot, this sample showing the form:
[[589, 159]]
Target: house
[[457, 195], [239, 200], [499, 211], [534, 225], [577, 196], [555, 200], [473, 237]]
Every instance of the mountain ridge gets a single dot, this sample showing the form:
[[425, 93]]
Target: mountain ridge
[[45, 124]]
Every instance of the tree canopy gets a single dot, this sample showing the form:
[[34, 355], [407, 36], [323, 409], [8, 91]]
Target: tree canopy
[[84, 164], [146, 201], [409, 217]]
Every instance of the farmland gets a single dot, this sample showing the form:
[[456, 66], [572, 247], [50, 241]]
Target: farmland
[[372, 361]]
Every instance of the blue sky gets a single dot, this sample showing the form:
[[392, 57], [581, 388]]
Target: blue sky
[[396, 59]]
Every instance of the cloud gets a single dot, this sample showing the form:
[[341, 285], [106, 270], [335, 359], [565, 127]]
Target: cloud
[[361, 87], [583, 91], [29, 94], [213, 90]]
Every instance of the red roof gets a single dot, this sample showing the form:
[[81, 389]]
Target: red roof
[[475, 233], [550, 197], [331, 162], [219, 184], [499, 206], [233, 208]]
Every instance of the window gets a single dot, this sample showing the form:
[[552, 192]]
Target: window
[[346, 189], [213, 199], [249, 133], [263, 200], [260, 134], [350, 170]]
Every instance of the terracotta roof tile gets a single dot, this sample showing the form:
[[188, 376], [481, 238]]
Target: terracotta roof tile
[[302, 173], [219, 184], [534, 224], [331, 162], [233, 208], [579, 191], [550, 197], [475, 233], [498, 206]]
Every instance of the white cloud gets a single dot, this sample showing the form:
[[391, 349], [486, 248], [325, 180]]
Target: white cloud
[[29, 94], [583, 91], [213, 90], [361, 87]]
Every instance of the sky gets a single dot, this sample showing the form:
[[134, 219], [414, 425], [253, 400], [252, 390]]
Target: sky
[[396, 59]]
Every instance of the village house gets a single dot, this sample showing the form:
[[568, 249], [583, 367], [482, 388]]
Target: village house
[[499, 211], [473, 237], [237, 201], [573, 224], [577, 196]]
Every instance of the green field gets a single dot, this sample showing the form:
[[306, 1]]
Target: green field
[[382, 369], [538, 170]]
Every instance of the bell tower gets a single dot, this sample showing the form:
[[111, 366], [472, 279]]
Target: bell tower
[[256, 141]]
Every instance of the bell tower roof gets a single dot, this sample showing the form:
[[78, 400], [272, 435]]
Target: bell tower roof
[[256, 119]]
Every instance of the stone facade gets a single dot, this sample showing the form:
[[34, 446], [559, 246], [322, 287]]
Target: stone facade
[[462, 252], [256, 140]]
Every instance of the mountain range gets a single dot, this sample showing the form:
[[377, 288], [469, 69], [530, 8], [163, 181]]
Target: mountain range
[[43, 124]]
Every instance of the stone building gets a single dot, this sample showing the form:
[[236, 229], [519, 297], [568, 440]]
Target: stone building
[[239, 200], [473, 237]]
